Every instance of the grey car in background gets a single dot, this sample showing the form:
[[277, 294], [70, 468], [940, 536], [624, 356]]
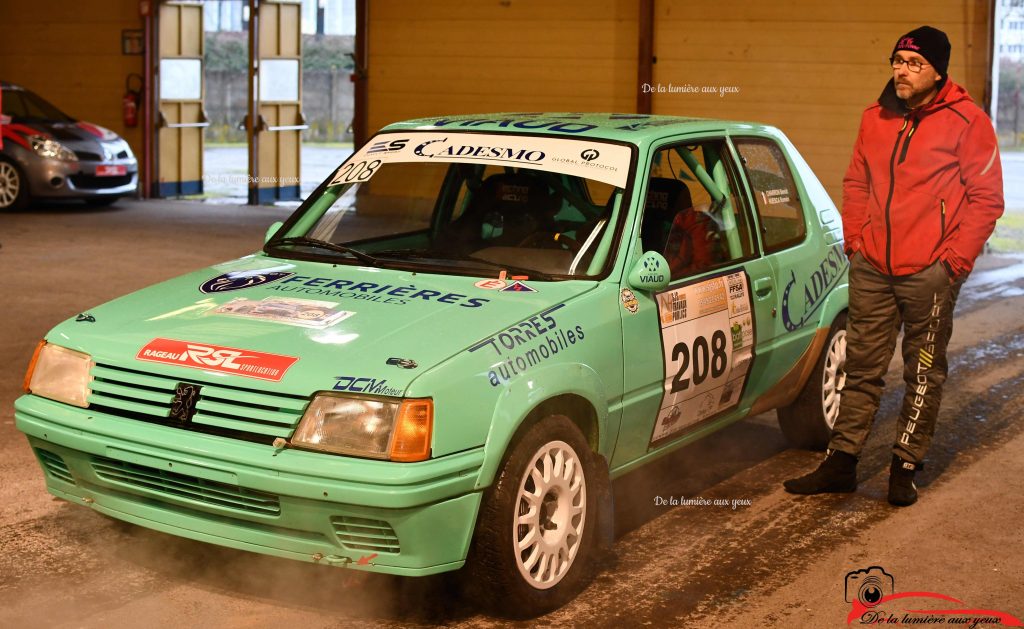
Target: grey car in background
[[47, 154]]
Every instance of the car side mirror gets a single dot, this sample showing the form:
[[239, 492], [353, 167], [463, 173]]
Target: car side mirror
[[272, 230], [650, 273]]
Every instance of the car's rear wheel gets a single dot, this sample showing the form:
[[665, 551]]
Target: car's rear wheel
[[534, 544], [13, 188], [808, 421]]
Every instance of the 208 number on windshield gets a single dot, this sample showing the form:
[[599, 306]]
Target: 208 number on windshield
[[707, 360], [356, 172]]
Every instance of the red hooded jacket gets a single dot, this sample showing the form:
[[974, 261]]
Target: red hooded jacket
[[923, 185]]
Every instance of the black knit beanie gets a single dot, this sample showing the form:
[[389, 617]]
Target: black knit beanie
[[930, 43]]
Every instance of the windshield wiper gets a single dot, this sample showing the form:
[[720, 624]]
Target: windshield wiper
[[323, 244]]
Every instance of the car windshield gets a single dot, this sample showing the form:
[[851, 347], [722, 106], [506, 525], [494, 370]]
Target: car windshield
[[26, 105], [472, 204]]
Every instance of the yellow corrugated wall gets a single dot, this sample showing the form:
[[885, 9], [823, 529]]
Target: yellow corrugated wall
[[463, 56], [807, 66], [69, 52]]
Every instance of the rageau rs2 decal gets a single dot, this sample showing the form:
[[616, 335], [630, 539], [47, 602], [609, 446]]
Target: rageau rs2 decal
[[231, 360], [707, 334]]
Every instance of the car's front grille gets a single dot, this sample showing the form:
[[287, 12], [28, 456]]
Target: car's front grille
[[365, 534], [223, 410], [184, 487], [55, 466], [87, 156], [92, 182]]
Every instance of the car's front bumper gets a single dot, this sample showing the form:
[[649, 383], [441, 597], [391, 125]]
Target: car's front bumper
[[407, 519], [52, 179], [56, 179]]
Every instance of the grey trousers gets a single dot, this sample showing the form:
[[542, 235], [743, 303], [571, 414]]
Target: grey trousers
[[922, 304]]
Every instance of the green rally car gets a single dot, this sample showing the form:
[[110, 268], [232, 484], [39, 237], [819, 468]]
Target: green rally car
[[446, 353]]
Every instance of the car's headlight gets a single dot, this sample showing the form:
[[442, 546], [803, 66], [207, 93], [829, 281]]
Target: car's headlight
[[60, 374], [51, 149], [397, 430]]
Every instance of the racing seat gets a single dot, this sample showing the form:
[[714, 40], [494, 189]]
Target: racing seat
[[663, 196], [671, 226], [505, 209]]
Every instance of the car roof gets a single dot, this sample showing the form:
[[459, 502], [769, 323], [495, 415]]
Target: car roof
[[632, 128]]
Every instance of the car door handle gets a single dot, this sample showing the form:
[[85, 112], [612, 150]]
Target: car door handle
[[763, 286]]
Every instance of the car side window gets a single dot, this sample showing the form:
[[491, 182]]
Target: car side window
[[13, 104], [776, 197], [691, 214]]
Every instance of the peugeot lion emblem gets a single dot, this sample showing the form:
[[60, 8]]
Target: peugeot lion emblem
[[183, 406]]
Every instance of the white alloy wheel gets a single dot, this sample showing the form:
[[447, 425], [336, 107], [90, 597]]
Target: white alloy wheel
[[833, 378], [10, 184], [550, 515]]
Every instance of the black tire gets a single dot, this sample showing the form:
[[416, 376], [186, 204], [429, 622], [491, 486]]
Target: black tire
[[14, 193], [807, 422], [496, 573]]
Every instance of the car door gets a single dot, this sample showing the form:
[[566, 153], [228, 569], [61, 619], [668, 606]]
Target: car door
[[690, 350], [806, 264]]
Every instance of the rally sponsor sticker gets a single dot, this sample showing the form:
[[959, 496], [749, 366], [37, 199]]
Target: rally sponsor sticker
[[306, 313], [230, 360], [600, 161], [629, 301], [491, 284], [238, 281], [707, 333], [518, 287]]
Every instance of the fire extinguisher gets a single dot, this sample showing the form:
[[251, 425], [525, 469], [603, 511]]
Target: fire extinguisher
[[131, 100]]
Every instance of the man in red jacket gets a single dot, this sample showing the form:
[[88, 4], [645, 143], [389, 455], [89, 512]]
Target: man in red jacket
[[920, 198]]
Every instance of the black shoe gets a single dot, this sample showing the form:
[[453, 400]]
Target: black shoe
[[902, 491], [836, 474]]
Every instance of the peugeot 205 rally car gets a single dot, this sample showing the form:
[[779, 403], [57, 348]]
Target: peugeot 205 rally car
[[445, 354]]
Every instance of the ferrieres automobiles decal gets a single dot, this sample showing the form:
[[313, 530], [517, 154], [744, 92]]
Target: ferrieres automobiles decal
[[229, 360], [707, 334], [600, 161]]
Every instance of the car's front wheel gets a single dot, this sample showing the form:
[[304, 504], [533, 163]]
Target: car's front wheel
[[534, 544], [808, 421], [13, 188]]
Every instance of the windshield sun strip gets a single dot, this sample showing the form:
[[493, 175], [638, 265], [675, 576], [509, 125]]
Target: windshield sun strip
[[339, 190]]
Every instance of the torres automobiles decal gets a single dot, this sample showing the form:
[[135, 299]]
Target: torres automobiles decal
[[230, 360]]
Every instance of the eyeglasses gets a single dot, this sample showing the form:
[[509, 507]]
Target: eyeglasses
[[913, 65]]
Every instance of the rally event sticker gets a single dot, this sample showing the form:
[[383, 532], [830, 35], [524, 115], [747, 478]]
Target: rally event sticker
[[707, 334], [305, 313]]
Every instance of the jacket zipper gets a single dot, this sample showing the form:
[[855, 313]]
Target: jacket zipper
[[906, 145], [888, 200], [943, 234]]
